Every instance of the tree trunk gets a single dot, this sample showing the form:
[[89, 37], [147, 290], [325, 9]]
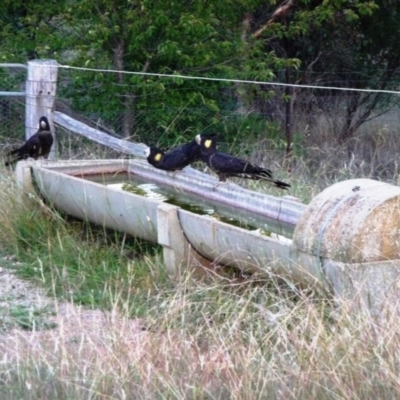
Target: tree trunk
[[128, 101], [289, 98], [244, 104]]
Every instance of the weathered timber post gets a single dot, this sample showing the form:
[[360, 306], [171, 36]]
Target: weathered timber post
[[41, 86], [177, 250]]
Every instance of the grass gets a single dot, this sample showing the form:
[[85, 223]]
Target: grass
[[30, 319], [142, 335]]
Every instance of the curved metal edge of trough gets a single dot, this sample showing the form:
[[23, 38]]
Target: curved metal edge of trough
[[98, 203], [187, 238], [193, 240]]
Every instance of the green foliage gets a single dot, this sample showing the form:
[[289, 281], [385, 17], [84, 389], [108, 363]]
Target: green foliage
[[320, 41], [29, 29], [172, 38]]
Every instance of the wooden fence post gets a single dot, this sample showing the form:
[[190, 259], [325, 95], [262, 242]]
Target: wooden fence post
[[41, 85]]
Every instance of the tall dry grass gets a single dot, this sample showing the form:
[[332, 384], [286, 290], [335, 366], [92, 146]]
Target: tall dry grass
[[125, 330], [206, 341]]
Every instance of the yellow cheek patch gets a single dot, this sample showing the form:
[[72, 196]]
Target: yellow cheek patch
[[158, 156], [208, 143]]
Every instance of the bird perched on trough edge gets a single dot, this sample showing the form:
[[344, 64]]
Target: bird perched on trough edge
[[226, 166], [38, 145], [177, 158]]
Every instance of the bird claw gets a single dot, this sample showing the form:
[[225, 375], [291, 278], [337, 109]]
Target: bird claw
[[219, 183]]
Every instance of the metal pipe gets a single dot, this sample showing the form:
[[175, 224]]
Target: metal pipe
[[192, 181]]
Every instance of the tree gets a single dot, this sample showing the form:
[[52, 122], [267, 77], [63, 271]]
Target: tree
[[304, 41], [29, 29], [348, 44], [318, 34], [197, 38]]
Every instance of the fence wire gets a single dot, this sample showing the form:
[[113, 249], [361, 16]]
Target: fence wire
[[12, 122], [168, 110], [12, 108], [250, 119]]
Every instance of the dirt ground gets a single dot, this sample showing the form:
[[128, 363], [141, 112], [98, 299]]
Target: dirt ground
[[31, 320]]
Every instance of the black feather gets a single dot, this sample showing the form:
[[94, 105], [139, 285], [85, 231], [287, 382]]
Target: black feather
[[225, 165], [38, 145], [177, 158]]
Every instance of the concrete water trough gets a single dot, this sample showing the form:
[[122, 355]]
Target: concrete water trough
[[346, 241]]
